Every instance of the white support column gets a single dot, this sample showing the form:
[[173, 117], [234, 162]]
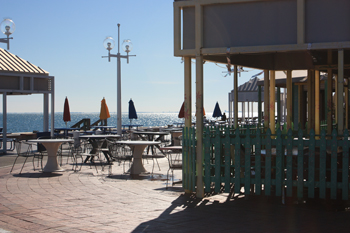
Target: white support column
[[4, 122], [46, 112], [272, 101], [229, 109], [52, 106], [199, 97], [235, 90], [243, 111]]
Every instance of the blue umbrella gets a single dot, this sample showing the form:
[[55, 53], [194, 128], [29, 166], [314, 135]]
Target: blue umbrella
[[217, 111], [132, 111]]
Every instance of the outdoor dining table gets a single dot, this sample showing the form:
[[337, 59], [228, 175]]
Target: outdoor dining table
[[130, 126], [104, 128], [51, 146], [149, 136], [65, 130], [137, 148], [93, 140]]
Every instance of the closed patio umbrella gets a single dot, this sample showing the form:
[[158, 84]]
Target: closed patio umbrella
[[217, 111], [66, 112], [182, 111], [132, 111], [104, 113]]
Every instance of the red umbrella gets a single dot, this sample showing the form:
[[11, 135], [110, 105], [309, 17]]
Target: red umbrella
[[182, 111], [66, 112]]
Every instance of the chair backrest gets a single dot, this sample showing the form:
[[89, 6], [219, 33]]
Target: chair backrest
[[40, 146], [23, 148]]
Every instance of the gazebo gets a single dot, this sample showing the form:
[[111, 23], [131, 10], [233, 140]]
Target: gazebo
[[20, 77], [280, 35]]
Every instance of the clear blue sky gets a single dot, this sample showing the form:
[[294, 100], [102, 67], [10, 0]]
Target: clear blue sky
[[65, 38]]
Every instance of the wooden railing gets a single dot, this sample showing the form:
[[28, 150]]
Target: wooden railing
[[299, 165], [83, 124]]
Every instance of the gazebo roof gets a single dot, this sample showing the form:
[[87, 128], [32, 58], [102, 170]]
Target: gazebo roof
[[12, 63]]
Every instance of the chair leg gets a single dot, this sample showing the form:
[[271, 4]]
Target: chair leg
[[23, 165], [14, 164], [167, 179], [34, 162]]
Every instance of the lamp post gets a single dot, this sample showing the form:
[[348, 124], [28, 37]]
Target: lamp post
[[7, 27], [109, 44]]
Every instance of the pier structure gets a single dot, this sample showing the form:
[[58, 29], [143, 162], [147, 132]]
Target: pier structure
[[20, 77], [279, 35]]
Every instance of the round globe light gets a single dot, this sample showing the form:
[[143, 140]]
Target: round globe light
[[127, 45], [109, 43], [7, 26]]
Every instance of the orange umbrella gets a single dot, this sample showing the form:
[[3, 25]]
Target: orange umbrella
[[66, 112], [104, 113]]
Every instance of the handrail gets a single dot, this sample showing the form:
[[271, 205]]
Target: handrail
[[83, 124]]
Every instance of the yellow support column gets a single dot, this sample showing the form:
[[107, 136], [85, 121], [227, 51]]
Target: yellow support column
[[188, 95], [266, 99], [272, 101], [289, 99], [329, 94], [317, 102]]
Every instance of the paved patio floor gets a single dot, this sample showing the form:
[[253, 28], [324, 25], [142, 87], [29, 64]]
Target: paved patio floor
[[89, 201]]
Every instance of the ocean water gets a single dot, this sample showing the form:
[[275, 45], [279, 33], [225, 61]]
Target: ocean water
[[29, 122]]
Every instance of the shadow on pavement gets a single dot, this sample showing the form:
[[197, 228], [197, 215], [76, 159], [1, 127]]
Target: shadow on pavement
[[37, 175], [257, 214]]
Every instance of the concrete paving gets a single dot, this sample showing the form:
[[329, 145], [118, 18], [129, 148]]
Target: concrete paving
[[90, 201]]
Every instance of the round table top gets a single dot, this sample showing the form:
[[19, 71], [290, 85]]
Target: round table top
[[103, 127], [139, 142], [100, 136], [50, 140], [151, 133]]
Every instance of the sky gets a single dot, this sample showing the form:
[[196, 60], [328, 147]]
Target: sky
[[65, 38]]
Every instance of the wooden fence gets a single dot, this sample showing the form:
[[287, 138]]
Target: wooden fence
[[299, 165]]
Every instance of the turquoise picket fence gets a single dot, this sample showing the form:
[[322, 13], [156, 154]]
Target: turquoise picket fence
[[269, 164]]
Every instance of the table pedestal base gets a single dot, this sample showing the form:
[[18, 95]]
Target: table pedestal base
[[137, 167], [52, 165]]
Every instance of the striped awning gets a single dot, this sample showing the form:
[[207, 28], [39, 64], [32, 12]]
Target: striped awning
[[12, 63], [251, 85]]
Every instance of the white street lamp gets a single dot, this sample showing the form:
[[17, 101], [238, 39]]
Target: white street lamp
[[7, 27], [109, 44]]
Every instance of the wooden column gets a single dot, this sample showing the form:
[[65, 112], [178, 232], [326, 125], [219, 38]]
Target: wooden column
[[235, 95], [259, 106], [310, 105], [188, 92], [340, 84], [199, 98], [346, 90], [317, 102], [266, 99], [4, 122], [272, 101], [336, 99], [279, 105], [289, 99], [329, 94]]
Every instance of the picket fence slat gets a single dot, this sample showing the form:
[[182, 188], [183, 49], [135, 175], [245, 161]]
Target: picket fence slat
[[266, 164]]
